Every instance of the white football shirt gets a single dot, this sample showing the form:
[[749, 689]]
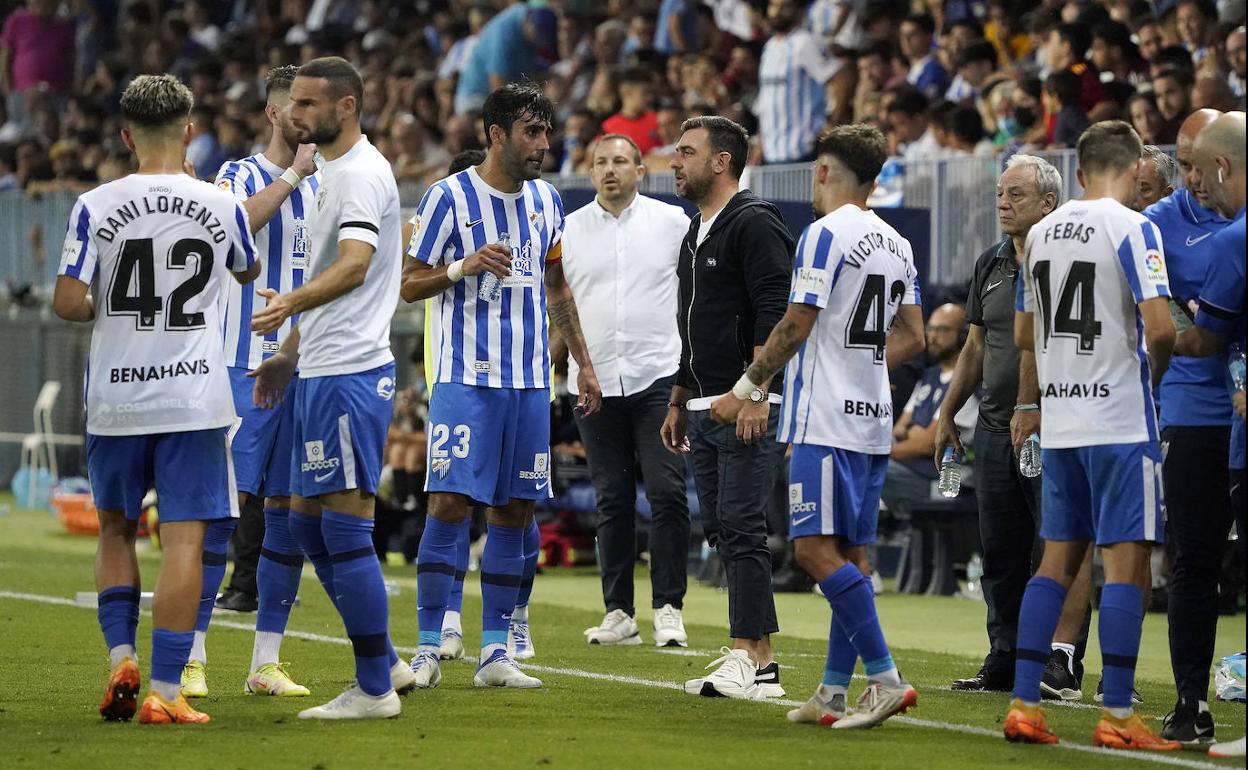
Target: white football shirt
[[358, 200], [1087, 266], [156, 250], [792, 101], [858, 271], [500, 344], [282, 245]]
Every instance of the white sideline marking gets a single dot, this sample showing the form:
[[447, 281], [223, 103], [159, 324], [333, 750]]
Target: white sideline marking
[[1138, 756]]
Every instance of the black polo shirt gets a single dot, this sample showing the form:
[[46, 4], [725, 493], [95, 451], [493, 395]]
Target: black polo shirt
[[991, 305]]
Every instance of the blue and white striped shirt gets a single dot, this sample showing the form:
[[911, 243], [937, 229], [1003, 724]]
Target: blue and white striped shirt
[[500, 344], [283, 247], [792, 101]]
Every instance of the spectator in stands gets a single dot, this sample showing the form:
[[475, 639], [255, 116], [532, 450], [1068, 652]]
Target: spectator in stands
[[507, 49], [1213, 92], [925, 72], [636, 119], [676, 29], [1195, 20], [1172, 57], [792, 92], [1113, 53], [670, 118], [910, 133], [976, 63], [965, 134], [1149, 38], [199, 20], [1145, 119], [1159, 176], [68, 174], [910, 470], [1172, 89], [1061, 98], [1065, 49], [641, 29], [416, 159], [875, 71], [1007, 35], [8, 167], [204, 153], [36, 53], [1238, 61]]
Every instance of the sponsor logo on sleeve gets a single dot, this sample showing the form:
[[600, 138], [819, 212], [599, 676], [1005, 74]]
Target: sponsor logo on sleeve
[[810, 280], [1154, 266]]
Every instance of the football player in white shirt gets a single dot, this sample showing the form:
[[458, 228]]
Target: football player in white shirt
[[278, 189], [156, 248], [1096, 277], [853, 314], [342, 399]]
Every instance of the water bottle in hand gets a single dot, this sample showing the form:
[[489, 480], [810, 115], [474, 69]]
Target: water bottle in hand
[[1029, 457], [490, 287], [1236, 367], [950, 475]]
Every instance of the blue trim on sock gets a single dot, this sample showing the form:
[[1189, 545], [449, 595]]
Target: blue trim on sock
[[216, 543], [879, 666], [502, 567], [493, 637], [1037, 620], [435, 577], [363, 606], [1119, 626], [277, 573], [462, 544], [842, 657], [118, 615]]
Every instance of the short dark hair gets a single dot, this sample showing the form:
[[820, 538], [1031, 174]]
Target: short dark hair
[[515, 101], [966, 124], [344, 79], [156, 101], [859, 147], [1111, 145], [637, 76], [881, 48], [724, 135], [923, 21], [1206, 7], [977, 51], [279, 79], [1180, 76], [909, 101], [1077, 35], [1175, 57], [1115, 33], [621, 137], [1065, 86], [465, 159]]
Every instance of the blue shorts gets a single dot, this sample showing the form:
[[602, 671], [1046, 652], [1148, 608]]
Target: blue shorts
[[191, 471], [835, 492], [1104, 494], [262, 444], [489, 444], [339, 435]]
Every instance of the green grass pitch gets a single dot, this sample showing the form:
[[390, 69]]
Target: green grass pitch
[[600, 707]]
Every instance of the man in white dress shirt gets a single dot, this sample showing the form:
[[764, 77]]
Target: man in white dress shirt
[[620, 255]]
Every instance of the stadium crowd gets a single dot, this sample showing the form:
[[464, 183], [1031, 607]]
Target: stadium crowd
[[944, 77]]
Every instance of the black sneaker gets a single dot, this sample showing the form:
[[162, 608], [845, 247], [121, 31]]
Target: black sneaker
[[987, 680], [768, 681], [237, 601], [1136, 698], [1059, 681], [1188, 725]]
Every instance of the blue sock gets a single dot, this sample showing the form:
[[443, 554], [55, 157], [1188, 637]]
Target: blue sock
[[1037, 620], [119, 618], [842, 657], [361, 595], [532, 548], [462, 544], [277, 574], [306, 531], [216, 544], [853, 603], [435, 577], [502, 569], [170, 650], [1121, 617]]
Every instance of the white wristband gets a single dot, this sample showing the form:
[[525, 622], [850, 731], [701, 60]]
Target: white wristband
[[455, 271], [744, 388], [292, 178]]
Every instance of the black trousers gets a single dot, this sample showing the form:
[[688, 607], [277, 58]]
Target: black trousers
[[734, 482], [1009, 528], [622, 438], [1198, 519], [245, 543]]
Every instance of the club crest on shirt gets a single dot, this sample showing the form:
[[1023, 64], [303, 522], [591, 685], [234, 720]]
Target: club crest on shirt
[[441, 466], [535, 219], [320, 196]]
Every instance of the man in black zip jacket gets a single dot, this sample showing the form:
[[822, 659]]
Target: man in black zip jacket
[[734, 272]]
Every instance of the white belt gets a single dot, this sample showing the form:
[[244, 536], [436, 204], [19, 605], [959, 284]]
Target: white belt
[[704, 403]]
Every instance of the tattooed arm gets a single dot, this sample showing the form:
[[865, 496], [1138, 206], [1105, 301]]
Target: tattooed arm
[[562, 310]]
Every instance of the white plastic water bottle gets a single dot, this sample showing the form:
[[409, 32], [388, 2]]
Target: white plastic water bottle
[[1236, 367], [1029, 457], [490, 287], [950, 475], [974, 571]]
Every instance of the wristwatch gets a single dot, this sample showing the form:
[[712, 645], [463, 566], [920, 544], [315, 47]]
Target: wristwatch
[[758, 395]]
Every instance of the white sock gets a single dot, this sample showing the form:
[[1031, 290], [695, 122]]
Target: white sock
[[267, 648], [1069, 649], [451, 622], [1121, 713], [520, 614], [890, 677], [168, 690], [489, 649], [121, 652], [197, 647], [830, 691], [1202, 706]]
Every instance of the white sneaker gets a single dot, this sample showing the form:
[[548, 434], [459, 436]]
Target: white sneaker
[[821, 709], [401, 677], [452, 645], [1227, 749], [425, 669], [877, 703], [768, 680], [733, 679], [500, 670], [354, 703], [669, 628], [616, 628], [519, 642]]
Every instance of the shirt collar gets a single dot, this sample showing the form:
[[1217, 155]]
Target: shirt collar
[[1195, 212], [626, 213]]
